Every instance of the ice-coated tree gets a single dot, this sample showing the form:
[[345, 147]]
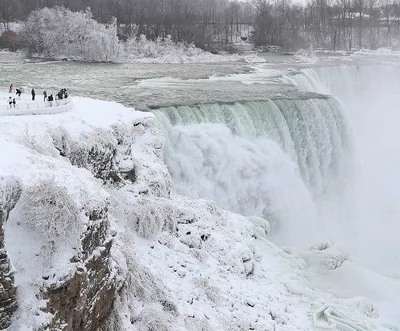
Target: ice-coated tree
[[60, 33]]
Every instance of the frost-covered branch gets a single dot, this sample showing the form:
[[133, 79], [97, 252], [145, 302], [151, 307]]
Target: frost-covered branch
[[49, 210]]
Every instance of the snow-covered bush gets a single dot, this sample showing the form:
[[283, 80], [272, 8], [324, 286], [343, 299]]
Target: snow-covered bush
[[144, 217], [306, 55], [166, 51], [148, 220], [50, 211], [212, 292], [10, 192], [152, 320], [36, 142], [143, 48], [60, 33]]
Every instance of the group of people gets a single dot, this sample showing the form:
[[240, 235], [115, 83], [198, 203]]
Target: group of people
[[62, 94], [18, 91], [11, 102]]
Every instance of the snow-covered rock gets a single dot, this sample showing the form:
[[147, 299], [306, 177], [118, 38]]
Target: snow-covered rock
[[68, 164]]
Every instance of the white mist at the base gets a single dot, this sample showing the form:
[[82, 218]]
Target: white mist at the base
[[368, 216]]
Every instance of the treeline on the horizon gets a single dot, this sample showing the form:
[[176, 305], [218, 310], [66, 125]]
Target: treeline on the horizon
[[215, 24]]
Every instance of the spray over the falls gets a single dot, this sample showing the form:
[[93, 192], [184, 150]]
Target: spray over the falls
[[369, 214]]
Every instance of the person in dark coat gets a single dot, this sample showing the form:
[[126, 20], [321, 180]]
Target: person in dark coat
[[50, 99], [33, 94], [18, 92]]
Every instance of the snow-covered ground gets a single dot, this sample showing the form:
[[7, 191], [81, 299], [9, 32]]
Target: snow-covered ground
[[212, 269]]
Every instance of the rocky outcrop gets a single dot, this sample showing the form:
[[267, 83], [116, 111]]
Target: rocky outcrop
[[95, 152], [98, 155], [10, 191], [84, 301]]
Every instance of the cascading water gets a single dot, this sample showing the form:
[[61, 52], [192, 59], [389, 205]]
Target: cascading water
[[270, 159], [320, 168]]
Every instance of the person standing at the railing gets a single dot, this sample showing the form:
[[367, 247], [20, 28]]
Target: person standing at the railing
[[44, 96], [11, 88], [33, 94]]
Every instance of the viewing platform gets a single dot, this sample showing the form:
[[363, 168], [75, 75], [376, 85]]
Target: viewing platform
[[24, 105]]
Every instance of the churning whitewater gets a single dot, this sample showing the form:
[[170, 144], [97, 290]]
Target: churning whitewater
[[317, 168]]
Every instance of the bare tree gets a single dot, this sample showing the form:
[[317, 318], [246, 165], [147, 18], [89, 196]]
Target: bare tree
[[386, 7], [214, 24]]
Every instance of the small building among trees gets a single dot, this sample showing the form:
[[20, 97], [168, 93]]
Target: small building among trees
[[9, 39]]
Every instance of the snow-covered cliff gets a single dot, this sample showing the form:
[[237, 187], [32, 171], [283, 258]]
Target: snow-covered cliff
[[99, 240]]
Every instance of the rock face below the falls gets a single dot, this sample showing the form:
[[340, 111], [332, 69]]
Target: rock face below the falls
[[81, 301], [84, 301], [10, 191]]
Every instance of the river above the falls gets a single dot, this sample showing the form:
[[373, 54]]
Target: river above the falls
[[148, 86]]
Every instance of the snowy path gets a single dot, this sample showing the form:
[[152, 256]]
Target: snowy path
[[25, 106]]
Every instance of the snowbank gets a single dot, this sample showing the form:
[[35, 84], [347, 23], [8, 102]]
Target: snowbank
[[186, 263]]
